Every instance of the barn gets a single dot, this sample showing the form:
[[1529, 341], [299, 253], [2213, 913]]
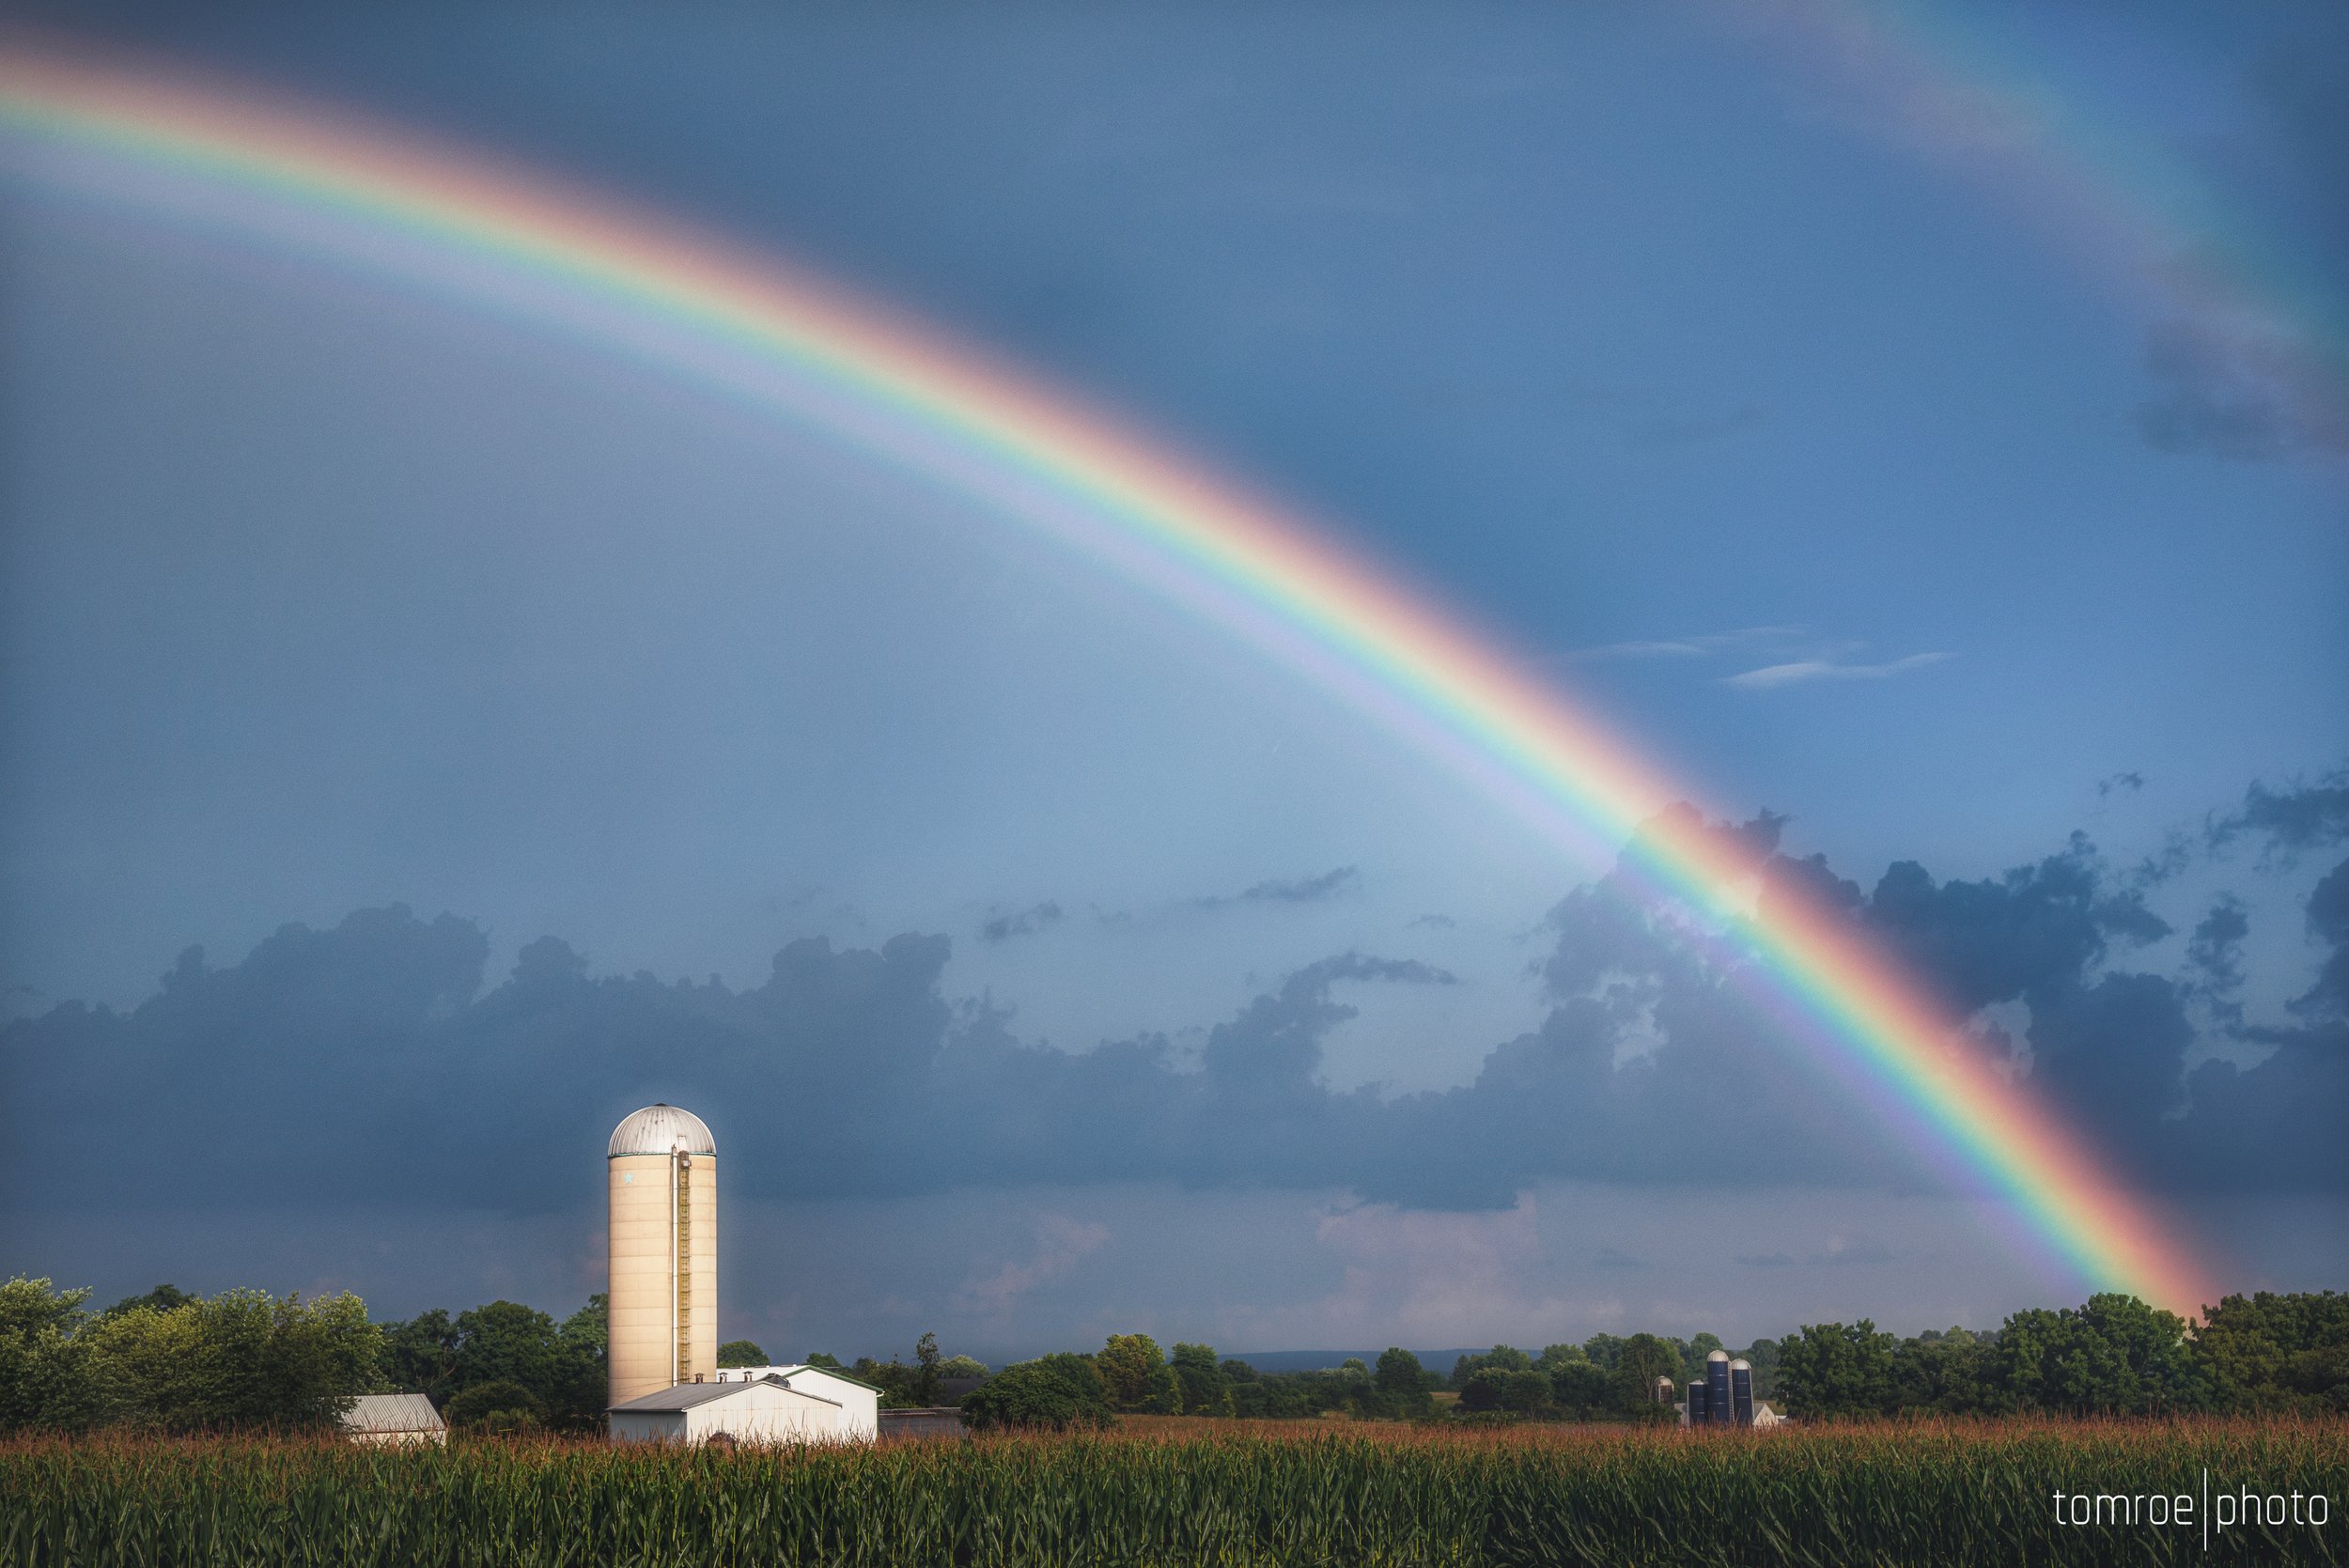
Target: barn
[[753, 1404]]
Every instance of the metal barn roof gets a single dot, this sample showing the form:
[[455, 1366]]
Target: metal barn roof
[[687, 1395], [391, 1413], [660, 1129]]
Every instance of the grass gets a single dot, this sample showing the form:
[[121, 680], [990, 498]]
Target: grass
[[1168, 1491]]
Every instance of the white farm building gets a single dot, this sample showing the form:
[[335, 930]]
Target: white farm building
[[753, 1405]]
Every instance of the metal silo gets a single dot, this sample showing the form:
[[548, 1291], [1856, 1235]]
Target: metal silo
[[1741, 1392], [1717, 1408], [662, 1178], [1696, 1402]]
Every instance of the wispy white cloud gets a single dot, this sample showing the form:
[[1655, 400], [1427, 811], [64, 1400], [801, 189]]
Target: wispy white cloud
[[1689, 647], [1770, 677]]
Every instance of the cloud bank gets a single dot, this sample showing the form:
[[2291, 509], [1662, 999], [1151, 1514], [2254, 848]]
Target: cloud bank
[[376, 1062]]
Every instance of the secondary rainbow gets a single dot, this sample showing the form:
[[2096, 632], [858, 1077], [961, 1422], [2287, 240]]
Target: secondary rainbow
[[766, 332]]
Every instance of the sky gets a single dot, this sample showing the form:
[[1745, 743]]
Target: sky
[[426, 735]]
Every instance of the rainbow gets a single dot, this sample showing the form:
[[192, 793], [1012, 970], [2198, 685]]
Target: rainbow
[[744, 324]]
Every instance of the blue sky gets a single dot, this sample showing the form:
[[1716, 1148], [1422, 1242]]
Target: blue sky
[[1658, 346]]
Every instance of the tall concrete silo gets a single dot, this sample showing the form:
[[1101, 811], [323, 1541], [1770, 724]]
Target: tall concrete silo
[[662, 1173]]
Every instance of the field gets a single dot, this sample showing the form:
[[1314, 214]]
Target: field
[[1188, 1493]]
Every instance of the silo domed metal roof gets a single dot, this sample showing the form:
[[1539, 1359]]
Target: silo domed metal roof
[[660, 1129]]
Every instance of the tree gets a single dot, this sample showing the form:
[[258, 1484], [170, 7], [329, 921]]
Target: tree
[[240, 1358], [961, 1366], [1829, 1369], [1643, 1360], [1501, 1358], [741, 1353], [1058, 1392], [2273, 1352], [1582, 1388], [1135, 1376], [420, 1355], [923, 1384], [506, 1341], [501, 1405], [162, 1298], [2114, 1355], [1199, 1381], [41, 1383], [1518, 1392], [1556, 1356], [824, 1358], [1400, 1373]]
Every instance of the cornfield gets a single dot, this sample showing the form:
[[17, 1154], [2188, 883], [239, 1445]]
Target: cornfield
[[1230, 1495]]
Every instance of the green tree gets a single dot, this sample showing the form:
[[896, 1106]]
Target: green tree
[[1518, 1392], [824, 1358], [506, 1341], [961, 1366], [240, 1358], [1135, 1376], [501, 1405], [1643, 1360], [1553, 1356], [1501, 1358], [420, 1355], [1582, 1388], [2114, 1355], [1058, 1392], [1827, 1368], [41, 1382], [1400, 1373], [2276, 1352], [1604, 1349], [923, 1386], [1199, 1380], [741, 1353], [162, 1298]]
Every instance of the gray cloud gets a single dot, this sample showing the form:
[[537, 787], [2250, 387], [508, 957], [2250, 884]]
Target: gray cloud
[[374, 1063], [1333, 883], [1020, 923]]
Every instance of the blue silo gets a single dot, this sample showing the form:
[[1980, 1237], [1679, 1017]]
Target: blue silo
[[1717, 1407], [1741, 1392]]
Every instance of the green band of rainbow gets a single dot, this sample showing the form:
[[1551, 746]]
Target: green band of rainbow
[[1163, 522]]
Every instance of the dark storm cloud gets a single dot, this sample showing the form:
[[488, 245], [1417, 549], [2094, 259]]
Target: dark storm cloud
[[1021, 922], [1295, 890], [2286, 821], [376, 1061]]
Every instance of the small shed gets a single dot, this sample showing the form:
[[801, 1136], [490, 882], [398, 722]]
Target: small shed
[[393, 1419], [754, 1410]]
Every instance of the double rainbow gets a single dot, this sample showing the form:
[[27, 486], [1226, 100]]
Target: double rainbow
[[746, 325]]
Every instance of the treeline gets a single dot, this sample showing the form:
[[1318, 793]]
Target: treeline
[[1606, 1377], [168, 1361], [173, 1362], [2257, 1355]]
